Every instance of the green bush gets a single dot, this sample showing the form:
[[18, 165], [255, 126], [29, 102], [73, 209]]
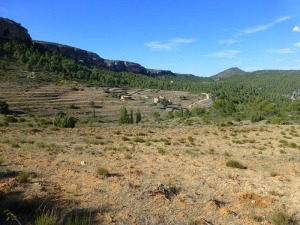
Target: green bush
[[1, 160], [198, 111], [4, 108], [11, 119], [281, 218], [3, 124], [103, 172], [161, 151], [61, 119], [23, 177], [235, 164]]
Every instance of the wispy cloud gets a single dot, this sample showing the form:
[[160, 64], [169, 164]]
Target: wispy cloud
[[169, 45], [297, 60], [263, 27], [228, 41], [225, 54], [296, 29], [297, 44], [280, 50]]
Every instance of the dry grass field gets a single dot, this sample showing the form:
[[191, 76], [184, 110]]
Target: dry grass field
[[148, 173]]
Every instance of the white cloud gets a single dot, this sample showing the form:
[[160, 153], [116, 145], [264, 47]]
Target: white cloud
[[297, 60], [169, 45], [280, 51], [296, 29], [228, 42], [297, 44], [225, 54], [263, 27]]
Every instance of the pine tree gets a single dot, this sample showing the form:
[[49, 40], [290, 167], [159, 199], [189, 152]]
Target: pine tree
[[131, 120], [124, 118], [138, 117]]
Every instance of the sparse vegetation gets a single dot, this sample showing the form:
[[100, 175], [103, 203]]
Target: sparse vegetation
[[4, 108], [61, 119], [47, 218], [281, 218], [235, 164], [102, 171], [23, 177], [161, 151]]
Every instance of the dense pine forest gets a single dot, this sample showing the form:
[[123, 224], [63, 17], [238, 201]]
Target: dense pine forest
[[256, 96]]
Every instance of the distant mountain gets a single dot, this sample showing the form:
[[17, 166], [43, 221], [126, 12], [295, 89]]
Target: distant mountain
[[232, 72]]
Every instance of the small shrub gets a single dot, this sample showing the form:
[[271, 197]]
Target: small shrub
[[47, 218], [92, 104], [235, 164], [139, 140], [281, 218], [293, 145], [103, 172], [190, 138], [1, 160], [3, 124], [211, 151], [11, 119], [21, 120], [227, 154], [161, 151], [15, 145], [77, 220], [45, 121], [75, 89], [125, 138], [4, 108], [23, 177], [63, 120]]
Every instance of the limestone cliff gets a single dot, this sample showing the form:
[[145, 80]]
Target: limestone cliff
[[10, 30], [79, 55]]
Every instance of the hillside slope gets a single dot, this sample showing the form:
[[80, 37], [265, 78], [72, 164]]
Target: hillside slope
[[229, 73]]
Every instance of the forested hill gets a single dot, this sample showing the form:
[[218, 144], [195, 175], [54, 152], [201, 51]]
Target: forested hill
[[229, 73]]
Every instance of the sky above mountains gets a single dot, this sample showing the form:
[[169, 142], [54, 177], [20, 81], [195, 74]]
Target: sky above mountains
[[201, 37]]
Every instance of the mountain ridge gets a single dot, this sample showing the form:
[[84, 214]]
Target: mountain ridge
[[11, 30]]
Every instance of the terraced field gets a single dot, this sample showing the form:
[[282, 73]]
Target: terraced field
[[45, 101]]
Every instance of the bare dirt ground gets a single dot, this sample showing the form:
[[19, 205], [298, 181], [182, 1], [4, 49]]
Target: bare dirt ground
[[156, 174]]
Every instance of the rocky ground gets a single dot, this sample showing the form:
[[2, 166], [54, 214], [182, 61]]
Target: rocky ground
[[157, 175]]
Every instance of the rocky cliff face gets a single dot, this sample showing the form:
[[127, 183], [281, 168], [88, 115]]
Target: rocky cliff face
[[79, 55], [119, 66], [296, 94], [10, 30]]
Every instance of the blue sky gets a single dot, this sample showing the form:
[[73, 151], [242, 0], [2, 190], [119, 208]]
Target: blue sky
[[201, 37]]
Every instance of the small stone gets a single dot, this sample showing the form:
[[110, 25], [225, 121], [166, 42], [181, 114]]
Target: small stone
[[82, 163]]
